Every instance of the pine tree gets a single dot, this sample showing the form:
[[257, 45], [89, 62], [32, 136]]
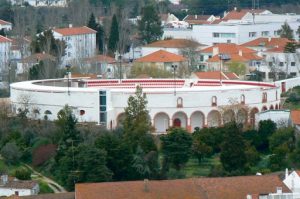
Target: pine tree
[[114, 35], [150, 28], [92, 22], [286, 31], [100, 32]]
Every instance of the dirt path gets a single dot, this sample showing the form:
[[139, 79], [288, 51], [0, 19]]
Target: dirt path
[[52, 184]]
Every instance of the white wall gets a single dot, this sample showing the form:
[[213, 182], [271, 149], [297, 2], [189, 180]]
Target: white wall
[[280, 117]]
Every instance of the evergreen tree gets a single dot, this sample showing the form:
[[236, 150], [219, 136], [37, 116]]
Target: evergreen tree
[[113, 36], [92, 22], [290, 47], [150, 27], [100, 32], [233, 157], [286, 31]]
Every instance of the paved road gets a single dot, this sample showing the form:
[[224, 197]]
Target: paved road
[[52, 184]]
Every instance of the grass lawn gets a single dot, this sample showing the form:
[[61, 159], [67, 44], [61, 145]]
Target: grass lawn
[[194, 169]]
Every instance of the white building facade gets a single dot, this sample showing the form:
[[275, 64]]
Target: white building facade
[[189, 104], [80, 44], [5, 49]]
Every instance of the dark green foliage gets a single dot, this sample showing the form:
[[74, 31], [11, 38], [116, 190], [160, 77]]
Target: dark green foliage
[[298, 33], [113, 36], [100, 32], [23, 174], [286, 31], [233, 157], [176, 147], [11, 153], [266, 129], [291, 47], [150, 28], [199, 148]]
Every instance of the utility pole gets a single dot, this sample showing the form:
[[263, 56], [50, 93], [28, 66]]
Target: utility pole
[[174, 67]]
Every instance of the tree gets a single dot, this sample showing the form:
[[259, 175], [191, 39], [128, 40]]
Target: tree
[[233, 157], [113, 36], [199, 148], [266, 129], [286, 31], [23, 174], [237, 67], [298, 33], [290, 47], [150, 28], [100, 32], [11, 153], [176, 147]]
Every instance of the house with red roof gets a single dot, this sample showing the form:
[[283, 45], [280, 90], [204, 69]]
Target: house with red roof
[[102, 65], [212, 58], [80, 42], [199, 19], [163, 60], [292, 181], [5, 25]]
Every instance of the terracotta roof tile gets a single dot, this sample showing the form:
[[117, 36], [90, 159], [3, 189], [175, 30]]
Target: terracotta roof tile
[[20, 184], [228, 49], [197, 188], [175, 43], [277, 49], [75, 31], [161, 56], [238, 15], [295, 116], [4, 39], [2, 22], [267, 42]]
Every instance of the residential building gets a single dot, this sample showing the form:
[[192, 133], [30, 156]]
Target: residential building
[[102, 65], [213, 58], [68, 195], [176, 46], [262, 44], [5, 49], [280, 117], [167, 18], [20, 48], [237, 27], [5, 25], [162, 59], [292, 181], [12, 186], [199, 19], [41, 3], [80, 42], [195, 188]]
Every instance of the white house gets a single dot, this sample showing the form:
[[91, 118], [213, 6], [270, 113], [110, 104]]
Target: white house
[[80, 41], [5, 25], [292, 181], [5, 49], [280, 117], [41, 3], [9, 187], [236, 29]]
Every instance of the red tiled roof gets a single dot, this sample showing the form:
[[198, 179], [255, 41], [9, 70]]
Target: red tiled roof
[[161, 56], [100, 58], [175, 43], [2, 22], [245, 57], [298, 172], [278, 49], [228, 49], [216, 75], [196, 17], [237, 15], [4, 39], [267, 42], [196, 188], [295, 116], [75, 31]]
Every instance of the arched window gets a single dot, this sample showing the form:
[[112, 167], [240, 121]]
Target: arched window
[[264, 97], [179, 102], [82, 112], [243, 99], [47, 112], [214, 101], [276, 96]]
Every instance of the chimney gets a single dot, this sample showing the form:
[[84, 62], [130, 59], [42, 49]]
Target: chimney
[[235, 9], [215, 51], [196, 16], [278, 189], [146, 185], [240, 53], [70, 25], [269, 39], [286, 173]]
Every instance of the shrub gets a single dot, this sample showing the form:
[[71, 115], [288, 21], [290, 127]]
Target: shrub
[[23, 174], [43, 153]]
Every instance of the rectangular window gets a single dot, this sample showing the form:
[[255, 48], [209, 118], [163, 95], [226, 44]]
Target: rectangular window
[[293, 74], [224, 35], [102, 107], [270, 63], [229, 41], [252, 34], [216, 34], [265, 33], [293, 63], [281, 64], [201, 57]]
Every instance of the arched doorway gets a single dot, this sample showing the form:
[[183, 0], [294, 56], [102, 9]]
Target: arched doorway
[[241, 116], [213, 119], [179, 120], [276, 106], [161, 122], [252, 116], [197, 120], [264, 108], [228, 116], [271, 107]]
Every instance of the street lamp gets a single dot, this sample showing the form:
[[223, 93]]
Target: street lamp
[[68, 66], [174, 67]]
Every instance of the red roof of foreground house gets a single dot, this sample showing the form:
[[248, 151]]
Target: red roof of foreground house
[[267, 42], [228, 49], [4, 39], [216, 75], [75, 31], [295, 116], [175, 43], [2, 22], [196, 188], [239, 14], [161, 56]]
